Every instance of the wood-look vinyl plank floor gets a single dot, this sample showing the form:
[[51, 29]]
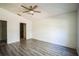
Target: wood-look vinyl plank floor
[[33, 47]]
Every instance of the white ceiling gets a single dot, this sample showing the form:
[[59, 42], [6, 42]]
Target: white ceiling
[[47, 9]]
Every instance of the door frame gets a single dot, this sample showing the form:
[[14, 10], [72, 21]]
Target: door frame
[[6, 30], [23, 31]]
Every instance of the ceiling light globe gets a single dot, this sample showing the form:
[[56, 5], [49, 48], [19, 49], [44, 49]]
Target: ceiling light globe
[[31, 12]]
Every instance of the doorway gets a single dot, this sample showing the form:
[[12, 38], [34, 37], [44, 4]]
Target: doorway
[[3, 32], [22, 31]]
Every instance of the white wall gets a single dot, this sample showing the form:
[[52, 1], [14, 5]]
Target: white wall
[[13, 24], [59, 30]]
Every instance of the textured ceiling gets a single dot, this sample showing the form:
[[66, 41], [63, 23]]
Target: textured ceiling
[[47, 9]]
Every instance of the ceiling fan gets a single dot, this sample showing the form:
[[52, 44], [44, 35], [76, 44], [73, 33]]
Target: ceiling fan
[[30, 9]]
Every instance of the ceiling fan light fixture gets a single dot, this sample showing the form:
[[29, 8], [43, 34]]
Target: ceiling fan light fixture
[[31, 12]]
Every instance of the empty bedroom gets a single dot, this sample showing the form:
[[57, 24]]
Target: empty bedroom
[[39, 29]]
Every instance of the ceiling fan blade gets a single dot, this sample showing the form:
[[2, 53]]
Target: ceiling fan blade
[[19, 14], [35, 7], [25, 11], [24, 7], [38, 11], [30, 7]]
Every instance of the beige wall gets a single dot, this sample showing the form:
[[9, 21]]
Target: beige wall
[[13, 21], [59, 30]]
